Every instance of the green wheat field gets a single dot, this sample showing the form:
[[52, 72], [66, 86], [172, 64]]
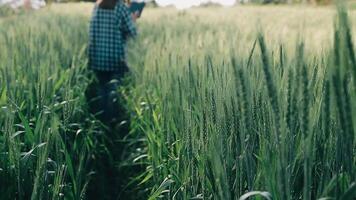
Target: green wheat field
[[248, 102]]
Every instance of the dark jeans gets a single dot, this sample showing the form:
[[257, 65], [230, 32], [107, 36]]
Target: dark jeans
[[108, 99], [106, 103]]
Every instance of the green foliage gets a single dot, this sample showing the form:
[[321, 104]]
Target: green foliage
[[210, 118], [220, 123], [46, 137], [6, 11]]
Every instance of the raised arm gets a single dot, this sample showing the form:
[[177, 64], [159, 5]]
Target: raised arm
[[128, 26]]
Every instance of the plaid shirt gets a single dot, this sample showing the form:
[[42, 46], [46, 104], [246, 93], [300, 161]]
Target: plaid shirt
[[108, 34]]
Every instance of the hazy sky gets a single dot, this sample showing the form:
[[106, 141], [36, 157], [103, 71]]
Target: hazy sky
[[188, 3]]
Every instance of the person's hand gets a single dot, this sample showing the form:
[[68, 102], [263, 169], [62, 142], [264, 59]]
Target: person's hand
[[135, 16]]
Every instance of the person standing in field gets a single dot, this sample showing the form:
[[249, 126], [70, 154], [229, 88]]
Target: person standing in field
[[111, 26]]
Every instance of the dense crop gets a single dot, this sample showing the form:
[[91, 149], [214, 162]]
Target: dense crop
[[219, 109], [222, 121], [43, 148]]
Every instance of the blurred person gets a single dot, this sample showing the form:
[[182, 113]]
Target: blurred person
[[111, 26]]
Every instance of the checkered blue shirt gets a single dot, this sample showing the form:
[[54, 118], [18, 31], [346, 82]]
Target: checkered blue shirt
[[108, 34]]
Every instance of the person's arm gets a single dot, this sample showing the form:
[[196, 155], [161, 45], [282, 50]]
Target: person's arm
[[128, 26]]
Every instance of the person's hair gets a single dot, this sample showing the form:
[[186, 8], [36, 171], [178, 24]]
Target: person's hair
[[107, 4]]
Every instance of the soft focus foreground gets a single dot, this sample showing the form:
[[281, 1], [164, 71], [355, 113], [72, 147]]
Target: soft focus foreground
[[217, 109]]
